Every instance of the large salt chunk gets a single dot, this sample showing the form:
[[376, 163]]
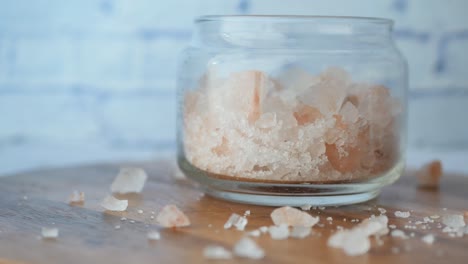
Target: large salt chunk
[[113, 204], [216, 252], [171, 216], [129, 180], [429, 175], [349, 113], [49, 232], [247, 248], [292, 217], [375, 226]]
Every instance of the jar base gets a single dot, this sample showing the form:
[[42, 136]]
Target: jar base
[[296, 201]]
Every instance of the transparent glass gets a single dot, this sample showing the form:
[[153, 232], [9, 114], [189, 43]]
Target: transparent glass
[[292, 110]]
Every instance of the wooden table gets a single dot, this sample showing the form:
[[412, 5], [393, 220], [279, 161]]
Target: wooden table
[[88, 235]]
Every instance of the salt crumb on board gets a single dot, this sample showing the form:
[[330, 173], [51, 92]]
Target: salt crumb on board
[[76, 197], [401, 214], [237, 221], [300, 232], [428, 239], [247, 248], [171, 216], [129, 180], [279, 232], [113, 204], [292, 217], [216, 252], [153, 235]]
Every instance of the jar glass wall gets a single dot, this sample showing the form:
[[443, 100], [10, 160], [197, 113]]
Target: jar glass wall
[[292, 110]]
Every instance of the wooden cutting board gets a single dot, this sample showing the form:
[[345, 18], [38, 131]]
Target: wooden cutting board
[[88, 234]]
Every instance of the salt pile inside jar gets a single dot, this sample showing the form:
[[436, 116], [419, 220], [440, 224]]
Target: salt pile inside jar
[[295, 128]]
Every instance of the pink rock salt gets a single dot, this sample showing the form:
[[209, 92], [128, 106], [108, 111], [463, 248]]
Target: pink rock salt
[[292, 217], [171, 216], [429, 175]]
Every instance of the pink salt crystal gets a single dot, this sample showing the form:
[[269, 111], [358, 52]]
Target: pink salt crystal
[[375, 225], [112, 204], [171, 216], [292, 217], [342, 163], [349, 113], [76, 198], [247, 248], [129, 180], [306, 115], [429, 175], [297, 80]]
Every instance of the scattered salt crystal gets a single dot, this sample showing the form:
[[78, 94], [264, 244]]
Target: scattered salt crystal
[[247, 213], [300, 232], [152, 216], [117, 227], [263, 229], [216, 252], [279, 232], [392, 226], [123, 219], [76, 197], [254, 233], [49, 232], [429, 175], [152, 212], [453, 221], [306, 207], [402, 214], [292, 217], [356, 244], [434, 216], [382, 210], [153, 235], [321, 207], [374, 225], [140, 211], [428, 239], [411, 234], [247, 248], [132, 221], [112, 204], [171, 216], [129, 180], [236, 220], [329, 218], [25, 198]]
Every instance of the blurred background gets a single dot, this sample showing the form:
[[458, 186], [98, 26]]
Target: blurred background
[[86, 81]]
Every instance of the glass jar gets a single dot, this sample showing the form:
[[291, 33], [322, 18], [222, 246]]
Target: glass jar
[[292, 110]]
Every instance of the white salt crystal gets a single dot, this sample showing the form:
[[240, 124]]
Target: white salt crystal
[[49, 232], [399, 234], [263, 229], [382, 210], [453, 221], [428, 239], [306, 207], [300, 232], [132, 221], [255, 233], [152, 217], [292, 217], [402, 214], [112, 204], [117, 227], [140, 211], [247, 248], [216, 252], [349, 113], [375, 225], [153, 235], [279, 232], [247, 213], [236, 220], [76, 197], [123, 219], [329, 218], [356, 244], [171, 216], [129, 180]]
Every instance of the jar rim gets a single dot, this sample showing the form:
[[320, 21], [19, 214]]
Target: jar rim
[[375, 20]]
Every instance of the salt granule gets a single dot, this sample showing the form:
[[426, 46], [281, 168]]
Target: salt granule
[[382, 210], [306, 207], [399, 234], [129, 180], [49, 232], [428, 239], [153, 235], [429, 175], [247, 248], [255, 233], [236, 220], [263, 229], [292, 217], [402, 214], [453, 221], [112, 204], [76, 197], [216, 252], [140, 211], [300, 232], [279, 232], [171, 216]]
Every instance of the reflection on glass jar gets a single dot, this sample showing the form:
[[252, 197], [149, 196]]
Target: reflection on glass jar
[[288, 110]]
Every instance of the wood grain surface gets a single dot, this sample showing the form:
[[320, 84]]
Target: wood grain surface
[[88, 234]]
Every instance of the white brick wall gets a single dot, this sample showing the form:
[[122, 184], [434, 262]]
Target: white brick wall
[[89, 80]]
